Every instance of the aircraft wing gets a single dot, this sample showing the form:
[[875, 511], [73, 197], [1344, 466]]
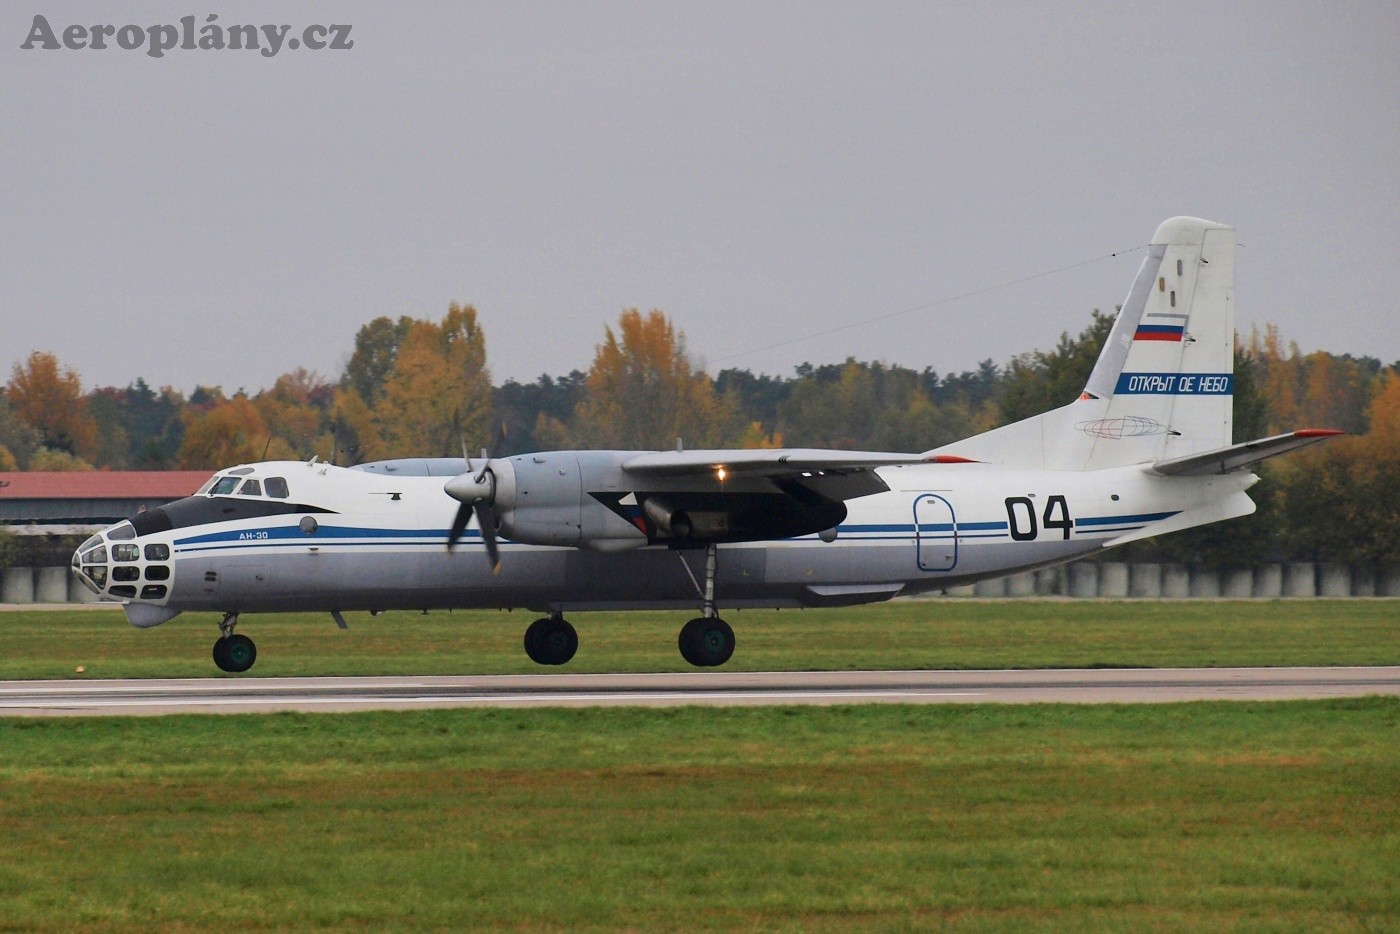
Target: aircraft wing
[[767, 462], [836, 475], [1224, 460]]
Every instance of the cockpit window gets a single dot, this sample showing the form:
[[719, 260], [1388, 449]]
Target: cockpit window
[[277, 488], [207, 484], [121, 533], [224, 486], [250, 488]]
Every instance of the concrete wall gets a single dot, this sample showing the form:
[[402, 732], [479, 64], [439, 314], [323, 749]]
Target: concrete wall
[[1083, 579], [17, 585], [1113, 579], [51, 585], [1151, 581]]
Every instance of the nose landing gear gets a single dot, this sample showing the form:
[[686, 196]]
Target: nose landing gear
[[233, 653]]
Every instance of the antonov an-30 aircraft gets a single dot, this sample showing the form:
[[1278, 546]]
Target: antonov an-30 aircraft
[[1145, 449]]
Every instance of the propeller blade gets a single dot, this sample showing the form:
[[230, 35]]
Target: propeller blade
[[488, 535], [459, 524], [485, 465]]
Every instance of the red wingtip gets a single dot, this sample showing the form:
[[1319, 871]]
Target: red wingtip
[[1318, 432], [951, 459]]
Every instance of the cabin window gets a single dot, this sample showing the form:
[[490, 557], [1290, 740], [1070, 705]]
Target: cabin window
[[277, 488], [224, 486], [250, 488], [155, 551]]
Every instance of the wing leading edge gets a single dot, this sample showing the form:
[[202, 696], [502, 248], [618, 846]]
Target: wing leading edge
[[837, 475], [764, 462]]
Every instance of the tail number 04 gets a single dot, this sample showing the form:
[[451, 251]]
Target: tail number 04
[[1021, 521]]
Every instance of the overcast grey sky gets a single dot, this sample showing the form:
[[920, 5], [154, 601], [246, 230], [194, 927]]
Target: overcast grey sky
[[758, 170]]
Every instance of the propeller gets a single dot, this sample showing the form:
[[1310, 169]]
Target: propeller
[[477, 493]]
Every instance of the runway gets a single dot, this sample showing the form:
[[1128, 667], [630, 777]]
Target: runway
[[1086, 686]]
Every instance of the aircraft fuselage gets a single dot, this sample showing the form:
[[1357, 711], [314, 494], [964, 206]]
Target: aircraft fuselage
[[349, 540]]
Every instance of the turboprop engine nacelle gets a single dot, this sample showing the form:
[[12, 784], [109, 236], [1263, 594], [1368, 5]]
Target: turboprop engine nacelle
[[532, 499], [589, 499], [545, 498]]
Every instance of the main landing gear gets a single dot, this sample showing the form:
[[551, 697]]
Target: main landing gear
[[551, 641], [707, 640], [233, 653]]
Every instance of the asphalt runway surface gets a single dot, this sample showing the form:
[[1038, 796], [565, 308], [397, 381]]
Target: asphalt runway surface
[[1083, 686]]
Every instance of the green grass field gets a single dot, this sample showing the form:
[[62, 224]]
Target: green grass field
[[908, 635], [1274, 816]]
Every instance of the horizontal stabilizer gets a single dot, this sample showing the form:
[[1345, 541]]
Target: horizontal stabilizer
[[1236, 456]]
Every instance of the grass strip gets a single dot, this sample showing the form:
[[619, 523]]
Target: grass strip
[[1202, 815], [926, 634]]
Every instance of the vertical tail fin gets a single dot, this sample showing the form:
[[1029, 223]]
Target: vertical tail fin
[[1163, 386]]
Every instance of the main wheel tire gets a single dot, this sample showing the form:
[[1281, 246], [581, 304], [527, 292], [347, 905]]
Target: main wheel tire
[[551, 641], [235, 653], [559, 643], [706, 642], [534, 641]]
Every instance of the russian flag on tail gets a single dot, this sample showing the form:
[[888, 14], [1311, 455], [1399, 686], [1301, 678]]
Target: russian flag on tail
[[1159, 332]]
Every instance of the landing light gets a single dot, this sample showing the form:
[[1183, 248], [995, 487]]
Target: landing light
[[720, 474]]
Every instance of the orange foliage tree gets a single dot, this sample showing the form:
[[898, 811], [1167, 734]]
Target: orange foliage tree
[[1314, 390], [291, 412], [432, 391], [1342, 500], [230, 431], [643, 391], [50, 400]]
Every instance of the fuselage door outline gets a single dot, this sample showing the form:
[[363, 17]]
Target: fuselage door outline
[[935, 533]]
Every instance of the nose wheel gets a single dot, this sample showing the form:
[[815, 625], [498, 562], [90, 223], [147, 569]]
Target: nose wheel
[[233, 653]]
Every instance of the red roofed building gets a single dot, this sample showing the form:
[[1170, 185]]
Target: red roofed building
[[44, 502]]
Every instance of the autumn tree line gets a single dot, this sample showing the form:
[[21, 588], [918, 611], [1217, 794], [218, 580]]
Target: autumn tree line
[[422, 387]]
